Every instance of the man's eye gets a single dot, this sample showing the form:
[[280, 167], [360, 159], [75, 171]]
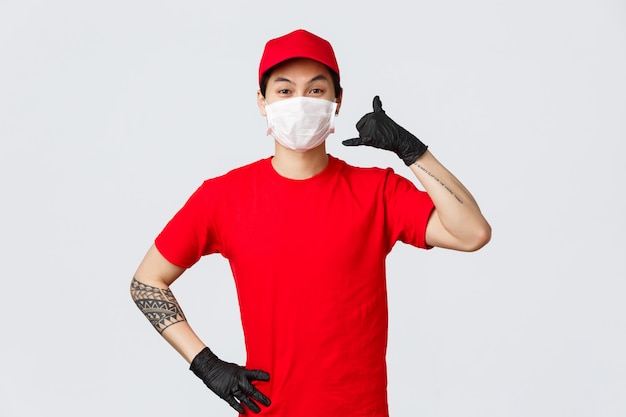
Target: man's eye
[[317, 91], [283, 91]]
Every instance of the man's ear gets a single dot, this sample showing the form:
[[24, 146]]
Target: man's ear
[[260, 102], [338, 101]]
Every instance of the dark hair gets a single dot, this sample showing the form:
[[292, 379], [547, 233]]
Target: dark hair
[[266, 76]]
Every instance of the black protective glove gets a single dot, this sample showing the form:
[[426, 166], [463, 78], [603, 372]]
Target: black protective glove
[[378, 130], [229, 381]]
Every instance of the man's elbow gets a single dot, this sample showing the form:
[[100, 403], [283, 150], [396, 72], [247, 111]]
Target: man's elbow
[[480, 237]]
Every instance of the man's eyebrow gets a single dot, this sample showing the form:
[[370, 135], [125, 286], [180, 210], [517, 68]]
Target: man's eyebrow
[[319, 77], [279, 79]]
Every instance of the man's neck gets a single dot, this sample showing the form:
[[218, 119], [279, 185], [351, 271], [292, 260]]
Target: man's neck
[[299, 165]]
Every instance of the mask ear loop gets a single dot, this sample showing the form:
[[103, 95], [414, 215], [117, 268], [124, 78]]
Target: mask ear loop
[[332, 119], [268, 118]]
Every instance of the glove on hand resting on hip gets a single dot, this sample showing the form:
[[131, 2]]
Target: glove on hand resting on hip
[[229, 381]]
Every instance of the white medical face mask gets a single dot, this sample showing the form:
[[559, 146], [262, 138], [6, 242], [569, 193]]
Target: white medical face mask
[[301, 123]]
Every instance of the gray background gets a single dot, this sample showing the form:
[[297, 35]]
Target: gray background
[[112, 113]]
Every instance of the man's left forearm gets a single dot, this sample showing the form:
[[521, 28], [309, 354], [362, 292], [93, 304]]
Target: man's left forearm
[[456, 207]]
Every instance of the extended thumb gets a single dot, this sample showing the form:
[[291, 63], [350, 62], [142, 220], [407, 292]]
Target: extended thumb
[[377, 105]]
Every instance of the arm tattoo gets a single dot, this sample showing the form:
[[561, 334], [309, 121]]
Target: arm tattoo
[[439, 181], [157, 304]]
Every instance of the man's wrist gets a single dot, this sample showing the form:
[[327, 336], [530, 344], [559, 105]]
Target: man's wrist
[[414, 154]]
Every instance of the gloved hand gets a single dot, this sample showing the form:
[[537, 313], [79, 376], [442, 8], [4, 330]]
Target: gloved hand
[[378, 130], [229, 381]]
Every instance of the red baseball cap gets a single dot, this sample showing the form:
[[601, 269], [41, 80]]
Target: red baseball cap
[[297, 44]]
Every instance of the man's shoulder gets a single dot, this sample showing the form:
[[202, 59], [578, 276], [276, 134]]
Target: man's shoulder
[[362, 171], [240, 173], [373, 177]]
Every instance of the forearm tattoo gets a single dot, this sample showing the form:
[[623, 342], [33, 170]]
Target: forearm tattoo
[[157, 304], [439, 181]]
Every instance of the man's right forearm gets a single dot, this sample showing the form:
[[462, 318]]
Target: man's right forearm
[[158, 305], [150, 289], [165, 314]]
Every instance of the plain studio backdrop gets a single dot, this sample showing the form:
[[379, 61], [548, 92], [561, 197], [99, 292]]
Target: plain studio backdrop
[[112, 113]]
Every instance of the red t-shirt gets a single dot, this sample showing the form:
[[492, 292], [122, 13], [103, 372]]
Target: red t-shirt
[[308, 259]]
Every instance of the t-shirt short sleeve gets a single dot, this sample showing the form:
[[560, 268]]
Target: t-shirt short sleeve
[[407, 210], [189, 235]]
